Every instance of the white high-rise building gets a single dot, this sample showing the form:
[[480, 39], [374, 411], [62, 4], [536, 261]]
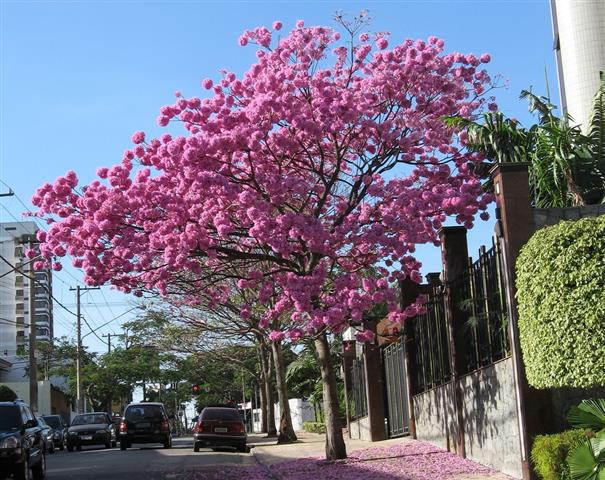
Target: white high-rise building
[[14, 298], [579, 30]]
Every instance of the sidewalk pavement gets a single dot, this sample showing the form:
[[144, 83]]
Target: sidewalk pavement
[[393, 459]]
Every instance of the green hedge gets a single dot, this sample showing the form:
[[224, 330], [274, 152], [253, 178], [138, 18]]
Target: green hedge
[[561, 301], [549, 452], [314, 427]]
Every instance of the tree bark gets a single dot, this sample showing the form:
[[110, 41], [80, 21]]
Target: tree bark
[[286, 430], [269, 414], [335, 444], [263, 391]]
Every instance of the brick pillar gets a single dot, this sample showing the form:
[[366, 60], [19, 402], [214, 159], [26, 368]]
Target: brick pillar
[[454, 258], [515, 227], [348, 355], [409, 292], [375, 389]]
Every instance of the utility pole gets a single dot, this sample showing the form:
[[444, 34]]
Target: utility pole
[[244, 400], [79, 289], [108, 342], [33, 366]]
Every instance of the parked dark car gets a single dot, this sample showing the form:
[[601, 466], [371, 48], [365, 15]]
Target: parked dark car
[[219, 427], [94, 428], [59, 428], [145, 423], [47, 435], [21, 443]]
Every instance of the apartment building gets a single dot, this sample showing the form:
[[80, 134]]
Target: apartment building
[[579, 31], [15, 270]]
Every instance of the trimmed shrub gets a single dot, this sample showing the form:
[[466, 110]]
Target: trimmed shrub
[[561, 301], [6, 394], [314, 427], [549, 453]]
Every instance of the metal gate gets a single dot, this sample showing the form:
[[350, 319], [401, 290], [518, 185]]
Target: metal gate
[[393, 357]]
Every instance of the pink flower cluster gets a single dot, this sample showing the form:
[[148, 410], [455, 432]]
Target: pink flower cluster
[[287, 171]]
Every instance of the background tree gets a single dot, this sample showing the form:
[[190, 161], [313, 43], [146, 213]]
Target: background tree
[[6, 394]]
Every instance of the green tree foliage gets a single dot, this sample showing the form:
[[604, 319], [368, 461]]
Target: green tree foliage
[[303, 375], [560, 285], [6, 394]]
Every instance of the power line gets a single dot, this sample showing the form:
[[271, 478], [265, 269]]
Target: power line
[[115, 318], [41, 225]]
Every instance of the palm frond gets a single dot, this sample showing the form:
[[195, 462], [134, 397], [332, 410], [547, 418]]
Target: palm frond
[[588, 414]]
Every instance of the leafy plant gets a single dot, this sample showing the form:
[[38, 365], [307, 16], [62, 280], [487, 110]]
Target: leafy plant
[[560, 284], [314, 427], [587, 461], [588, 414], [566, 166], [549, 453]]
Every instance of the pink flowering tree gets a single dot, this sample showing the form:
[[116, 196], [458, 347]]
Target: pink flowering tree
[[327, 158]]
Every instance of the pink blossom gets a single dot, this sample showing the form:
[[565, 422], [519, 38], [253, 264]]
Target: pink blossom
[[300, 23], [364, 37], [382, 43], [275, 336], [277, 25], [485, 58], [274, 184], [365, 336], [138, 137]]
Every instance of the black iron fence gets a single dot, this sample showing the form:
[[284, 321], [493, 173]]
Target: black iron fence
[[486, 334], [393, 361], [430, 347], [483, 338], [358, 402]]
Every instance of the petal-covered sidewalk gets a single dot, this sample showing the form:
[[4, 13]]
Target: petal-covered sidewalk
[[404, 460]]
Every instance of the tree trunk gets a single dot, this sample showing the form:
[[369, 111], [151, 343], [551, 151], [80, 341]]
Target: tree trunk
[[263, 391], [286, 430], [269, 413], [335, 444]]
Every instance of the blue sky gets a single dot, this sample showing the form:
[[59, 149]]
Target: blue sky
[[77, 78]]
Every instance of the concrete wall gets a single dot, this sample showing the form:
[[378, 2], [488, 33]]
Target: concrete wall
[[434, 413], [544, 217], [360, 429], [300, 410], [44, 396], [490, 418]]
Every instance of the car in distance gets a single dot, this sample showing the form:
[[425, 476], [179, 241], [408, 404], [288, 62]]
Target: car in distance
[[94, 428], [59, 428], [47, 435], [145, 422], [219, 427], [21, 443]]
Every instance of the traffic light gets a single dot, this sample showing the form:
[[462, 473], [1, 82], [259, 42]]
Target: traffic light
[[195, 389]]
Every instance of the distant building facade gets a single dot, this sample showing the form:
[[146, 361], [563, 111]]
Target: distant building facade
[[14, 299], [579, 31]]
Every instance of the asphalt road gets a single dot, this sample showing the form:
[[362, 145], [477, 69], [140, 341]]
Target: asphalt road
[[142, 462]]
